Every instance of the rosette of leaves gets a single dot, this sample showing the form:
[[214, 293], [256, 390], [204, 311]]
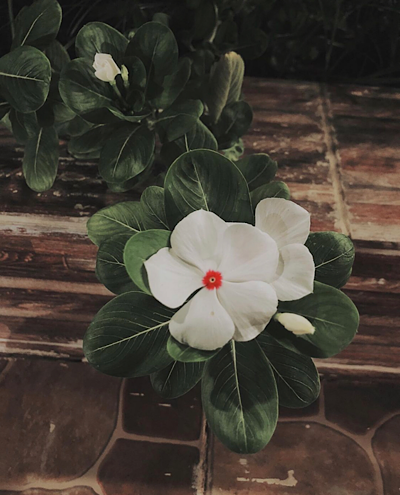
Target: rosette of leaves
[[30, 103], [244, 382]]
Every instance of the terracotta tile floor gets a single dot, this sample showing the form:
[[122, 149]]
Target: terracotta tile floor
[[67, 430]]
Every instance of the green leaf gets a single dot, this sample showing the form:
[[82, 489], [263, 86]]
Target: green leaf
[[135, 183], [137, 77], [155, 45], [333, 315], [41, 159], [225, 84], [4, 107], [296, 376], [176, 379], [97, 37], [273, 190], [57, 55], [240, 398], [258, 169], [110, 267], [140, 248], [173, 85], [185, 354], [25, 75], [75, 127], [62, 114], [333, 255], [126, 153], [128, 336], [24, 125], [89, 144], [110, 115], [235, 151], [82, 91], [252, 42], [235, 121], [152, 201], [161, 18], [179, 119], [204, 179], [199, 137], [38, 24], [205, 20], [122, 218]]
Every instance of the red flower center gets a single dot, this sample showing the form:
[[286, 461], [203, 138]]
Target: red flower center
[[212, 280]]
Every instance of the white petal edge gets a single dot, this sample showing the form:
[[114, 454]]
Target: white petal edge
[[250, 305], [196, 239], [248, 254], [285, 221], [297, 270], [202, 322], [171, 280]]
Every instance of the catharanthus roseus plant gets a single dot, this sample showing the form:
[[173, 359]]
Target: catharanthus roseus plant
[[135, 92], [121, 95], [220, 281]]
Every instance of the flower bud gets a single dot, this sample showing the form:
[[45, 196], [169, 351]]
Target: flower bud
[[295, 323], [125, 76], [105, 67]]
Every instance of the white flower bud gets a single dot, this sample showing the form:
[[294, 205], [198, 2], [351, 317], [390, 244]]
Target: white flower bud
[[295, 323], [105, 67]]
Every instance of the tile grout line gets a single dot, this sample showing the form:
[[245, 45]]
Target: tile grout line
[[200, 484], [333, 159]]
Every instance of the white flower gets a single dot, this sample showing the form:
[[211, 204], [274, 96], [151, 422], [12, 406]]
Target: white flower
[[105, 67], [289, 225], [295, 323], [238, 269]]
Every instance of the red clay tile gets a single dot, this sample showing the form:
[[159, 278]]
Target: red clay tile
[[55, 420], [146, 413], [301, 459], [144, 468], [386, 445], [359, 404]]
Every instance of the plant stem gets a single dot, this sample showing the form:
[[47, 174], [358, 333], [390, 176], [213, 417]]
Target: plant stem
[[11, 17], [116, 90]]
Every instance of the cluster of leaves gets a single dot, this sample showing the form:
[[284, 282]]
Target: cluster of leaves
[[30, 103], [163, 98], [244, 382], [330, 39], [160, 101]]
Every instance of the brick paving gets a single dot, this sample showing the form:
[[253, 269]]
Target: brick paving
[[68, 430], [64, 430]]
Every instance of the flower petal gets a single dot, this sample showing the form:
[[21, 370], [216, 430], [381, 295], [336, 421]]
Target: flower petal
[[250, 305], [202, 322], [196, 239], [296, 273], [285, 221], [248, 254], [171, 280]]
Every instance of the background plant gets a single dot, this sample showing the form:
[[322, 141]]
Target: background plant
[[347, 40], [190, 101]]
